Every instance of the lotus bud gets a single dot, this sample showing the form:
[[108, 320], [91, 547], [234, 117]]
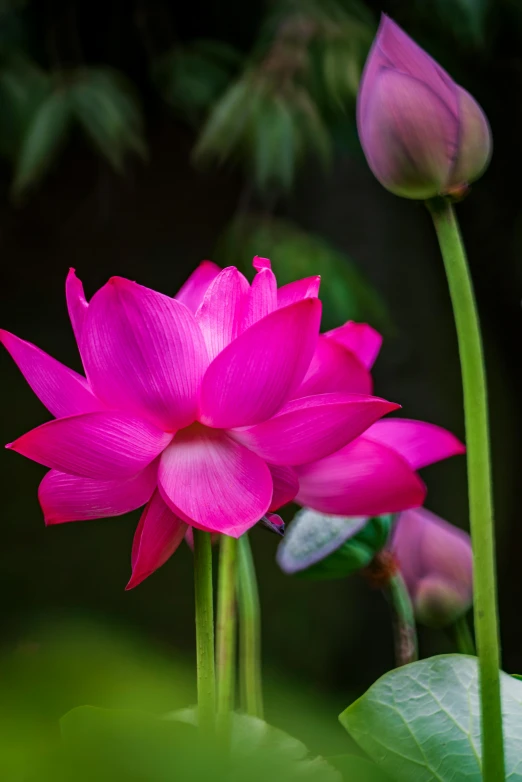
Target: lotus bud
[[436, 562], [423, 135]]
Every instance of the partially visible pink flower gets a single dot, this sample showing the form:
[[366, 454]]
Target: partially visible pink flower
[[198, 406], [422, 134], [377, 472], [436, 562]]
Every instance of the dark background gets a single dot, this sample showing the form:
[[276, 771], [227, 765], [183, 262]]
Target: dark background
[[110, 205]]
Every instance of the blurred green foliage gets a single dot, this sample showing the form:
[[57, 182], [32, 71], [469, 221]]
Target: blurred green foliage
[[269, 109], [81, 702], [192, 78]]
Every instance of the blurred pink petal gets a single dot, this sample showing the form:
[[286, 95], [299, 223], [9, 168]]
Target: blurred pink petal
[[418, 442], [62, 391], [286, 485], [436, 562], [157, 537], [144, 353], [70, 498], [310, 428], [252, 378], [220, 313], [360, 338], [192, 291], [334, 368], [362, 479], [76, 303], [103, 446], [307, 288], [262, 296], [214, 481]]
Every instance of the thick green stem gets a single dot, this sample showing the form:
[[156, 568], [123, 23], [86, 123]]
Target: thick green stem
[[204, 631], [249, 632], [404, 628], [463, 637], [479, 484], [226, 637]]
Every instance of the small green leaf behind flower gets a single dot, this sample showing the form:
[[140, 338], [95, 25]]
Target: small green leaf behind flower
[[322, 546]]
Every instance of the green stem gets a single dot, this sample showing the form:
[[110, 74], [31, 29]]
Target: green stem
[[463, 637], [226, 637], [479, 484], [204, 630], [249, 632], [404, 627]]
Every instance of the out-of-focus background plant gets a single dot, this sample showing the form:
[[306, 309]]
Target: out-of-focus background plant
[[138, 138]]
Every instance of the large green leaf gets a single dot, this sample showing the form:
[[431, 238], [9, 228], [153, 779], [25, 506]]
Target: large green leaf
[[42, 140], [421, 723]]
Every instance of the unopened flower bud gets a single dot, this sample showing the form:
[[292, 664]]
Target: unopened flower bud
[[423, 135], [436, 562]]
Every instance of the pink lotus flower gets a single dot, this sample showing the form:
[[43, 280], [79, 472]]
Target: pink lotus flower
[[377, 472], [197, 406], [422, 134], [436, 562]]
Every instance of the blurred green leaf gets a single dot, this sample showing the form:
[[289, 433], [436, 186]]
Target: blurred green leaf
[[226, 123], [23, 88], [108, 111], [191, 78], [275, 145], [129, 745], [357, 769], [268, 752], [295, 253], [43, 138], [268, 124], [64, 665], [422, 721]]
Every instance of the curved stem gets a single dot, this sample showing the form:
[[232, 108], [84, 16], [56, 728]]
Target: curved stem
[[404, 628], [204, 630], [226, 636], [249, 632], [463, 637], [479, 484]]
